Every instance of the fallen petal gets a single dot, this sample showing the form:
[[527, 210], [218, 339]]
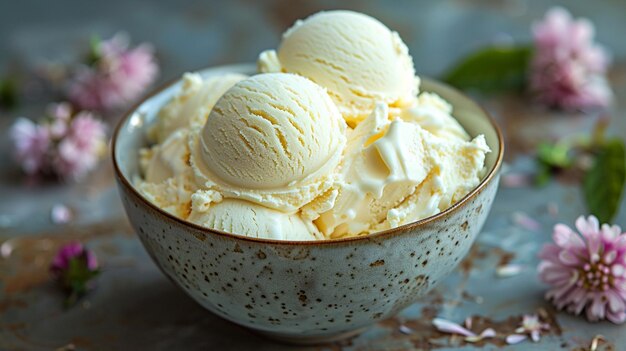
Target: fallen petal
[[488, 333], [447, 326], [535, 336], [523, 220], [405, 330], [515, 338], [60, 214], [516, 180], [509, 270], [6, 249]]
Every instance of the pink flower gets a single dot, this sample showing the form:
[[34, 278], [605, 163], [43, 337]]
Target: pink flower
[[74, 267], [568, 69], [31, 142], [587, 271], [118, 76], [531, 326], [79, 152], [61, 261], [60, 114]]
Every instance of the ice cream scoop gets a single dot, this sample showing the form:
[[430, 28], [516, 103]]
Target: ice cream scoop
[[274, 139], [395, 172], [384, 162], [356, 57], [192, 104], [250, 219]]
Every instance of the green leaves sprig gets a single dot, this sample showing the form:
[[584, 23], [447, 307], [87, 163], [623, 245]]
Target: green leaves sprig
[[603, 180], [603, 184], [493, 69]]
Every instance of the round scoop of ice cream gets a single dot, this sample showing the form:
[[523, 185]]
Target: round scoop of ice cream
[[357, 58], [192, 104], [274, 139], [249, 219]]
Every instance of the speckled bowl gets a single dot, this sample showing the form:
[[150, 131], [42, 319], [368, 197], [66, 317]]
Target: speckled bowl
[[306, 292]]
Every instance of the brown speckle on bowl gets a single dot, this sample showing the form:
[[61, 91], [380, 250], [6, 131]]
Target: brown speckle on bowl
[[377, 263]]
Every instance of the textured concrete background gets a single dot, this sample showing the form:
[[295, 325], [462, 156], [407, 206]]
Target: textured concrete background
[[135, 307]]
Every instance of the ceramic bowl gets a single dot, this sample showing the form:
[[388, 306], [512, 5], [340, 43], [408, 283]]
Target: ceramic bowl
[[305, 292]]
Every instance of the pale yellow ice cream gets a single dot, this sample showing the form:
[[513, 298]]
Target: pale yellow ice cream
[[434, 114], [270, 156], [274, 139], [395, 172], [357, 58], [165, 160], [173, 194], [192, 104], [246, 218]]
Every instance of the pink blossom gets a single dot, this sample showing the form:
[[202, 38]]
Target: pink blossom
[[568, 69], [587, 271], [79, 152], [59, 114], [74, 267], [119, 75], [61, 262], [31, 142]]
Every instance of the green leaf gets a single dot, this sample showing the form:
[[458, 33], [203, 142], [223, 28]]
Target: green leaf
[[554, 155], [8, 93], [495, 68], [604, 182], [543, 175], [76, 279], [95, 51]]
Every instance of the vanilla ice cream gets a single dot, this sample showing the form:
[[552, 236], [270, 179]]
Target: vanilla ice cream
[[357, 58], [333, 142], [173, 194], [246, 218], [274, 139], [395, 171], [192, 104], [165, 160]]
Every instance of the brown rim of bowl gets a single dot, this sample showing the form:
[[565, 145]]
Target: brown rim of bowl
[[486, 180]]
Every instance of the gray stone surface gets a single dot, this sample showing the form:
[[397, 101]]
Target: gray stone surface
[[135, 307]]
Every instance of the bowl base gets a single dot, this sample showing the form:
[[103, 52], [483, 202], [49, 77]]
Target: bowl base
[[311, 340]]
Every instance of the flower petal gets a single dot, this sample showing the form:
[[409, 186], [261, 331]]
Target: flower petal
[[568, 258], [523, 220], [515, 338], [535, 336], [550, 252], [615, 302], [616, 317], [488, 333], [597, 309], [610, 232], [588, 227], [447, 326], [564, 237]]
